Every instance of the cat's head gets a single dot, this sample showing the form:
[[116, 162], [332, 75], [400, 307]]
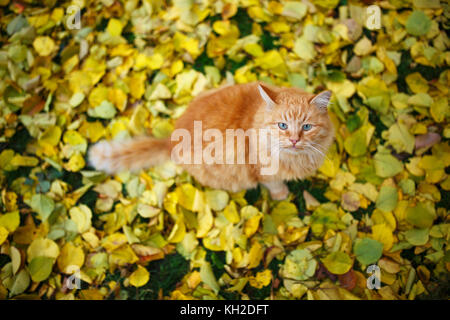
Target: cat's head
[[299, 119]]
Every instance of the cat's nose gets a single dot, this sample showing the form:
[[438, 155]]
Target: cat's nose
[[294, 141]]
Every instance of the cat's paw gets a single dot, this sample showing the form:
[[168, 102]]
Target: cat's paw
[[280, 194]]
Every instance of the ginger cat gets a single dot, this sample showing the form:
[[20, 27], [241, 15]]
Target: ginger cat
[[299, 134]]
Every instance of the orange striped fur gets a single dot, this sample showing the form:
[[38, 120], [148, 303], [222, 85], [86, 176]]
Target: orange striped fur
[[254, 105]]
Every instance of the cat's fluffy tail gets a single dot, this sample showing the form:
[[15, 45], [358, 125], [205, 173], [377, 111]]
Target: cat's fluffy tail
[[132, 154]]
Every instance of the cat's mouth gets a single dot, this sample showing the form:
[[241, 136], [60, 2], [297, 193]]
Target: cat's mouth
[[293, 149]]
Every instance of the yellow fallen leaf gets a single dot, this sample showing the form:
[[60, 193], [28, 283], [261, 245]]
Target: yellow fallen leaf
[[3, 234], [114, 241], [382, 217], [93, 131], [82, 216], [255, 255], [139, 277], [205, 221], [190, 197], [383, 234], [42, 248], [261, 279], [231, 212], [76, 163], [44, 45], [178, 232], [24, 161], [363, 47], [10, 221], [114, 27], [71, 258], [122, 256], [416, 82], [251, 225]]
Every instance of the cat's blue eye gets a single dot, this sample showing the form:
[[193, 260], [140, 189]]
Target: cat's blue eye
[[282, 125], [307, 127]]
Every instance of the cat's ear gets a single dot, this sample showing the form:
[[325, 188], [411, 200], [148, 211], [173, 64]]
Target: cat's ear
[[263, 92], [322, 100]]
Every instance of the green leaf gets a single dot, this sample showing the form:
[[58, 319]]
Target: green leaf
[[421, 100], [297, 80], [207, 276], [16, 24], [16, 259], [353, 122], [294, 9], [162, 129], [283, 212], [367, 251], [43, 205], [418, 23], [440, 230], [408, 186], [21, 283], [417, 237], [217, 199], [76, 99], [338, 262], [356, 144], [421, 216], [104, 110], [387, 198], [299, 265], [304, 49], [40, 268], [386, 165], [400, 138]]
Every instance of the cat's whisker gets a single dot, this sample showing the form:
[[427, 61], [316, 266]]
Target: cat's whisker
[[318, 145], [313, 147], [322, 148], [332, 163], [310, 145]]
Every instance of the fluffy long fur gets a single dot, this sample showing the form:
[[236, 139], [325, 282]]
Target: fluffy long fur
[[252, 105], [131, 154]]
